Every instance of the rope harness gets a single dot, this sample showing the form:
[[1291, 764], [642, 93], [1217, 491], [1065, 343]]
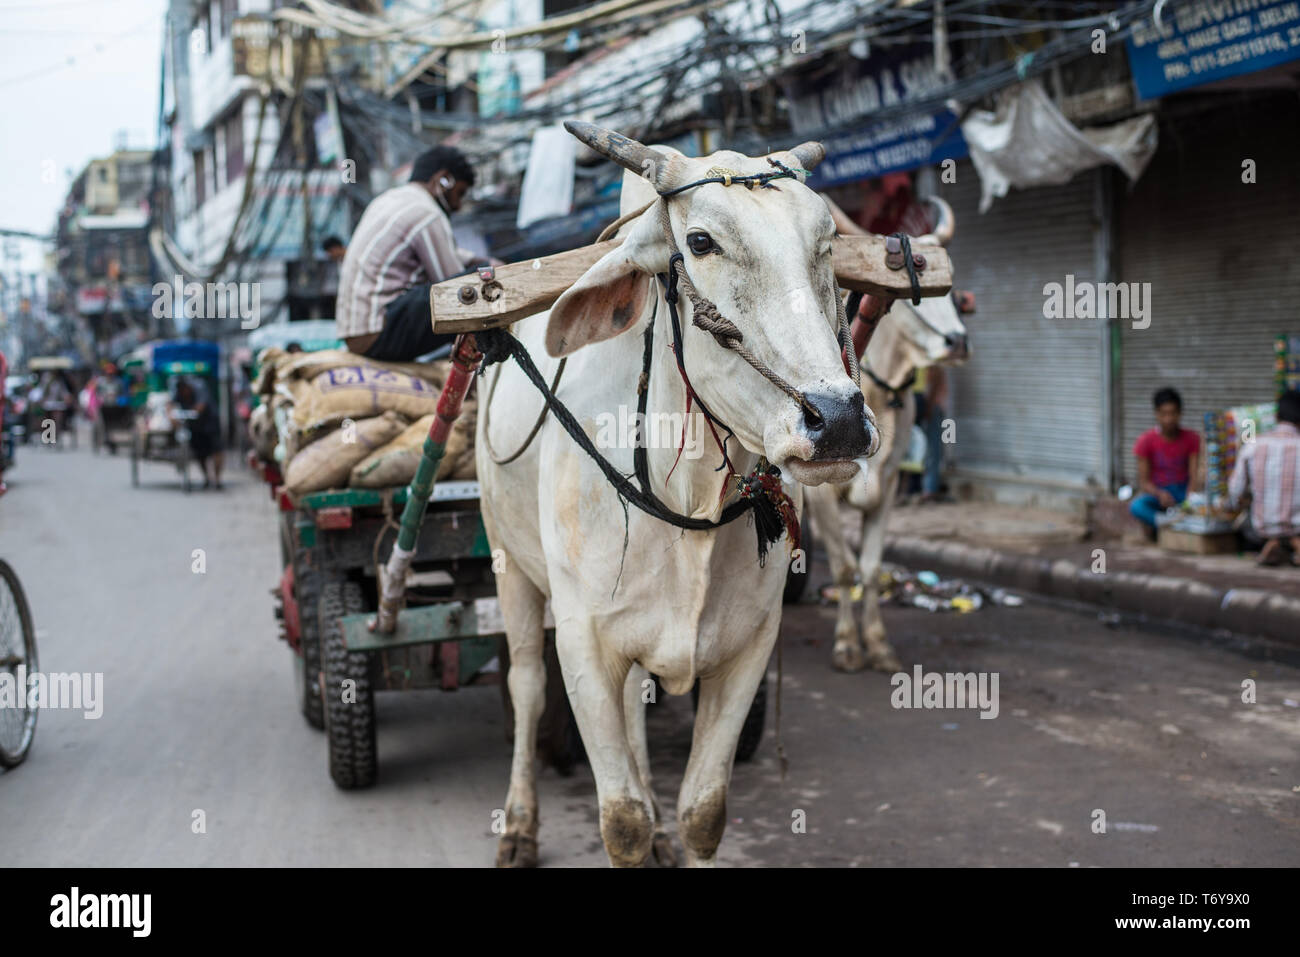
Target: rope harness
[[760, 490]]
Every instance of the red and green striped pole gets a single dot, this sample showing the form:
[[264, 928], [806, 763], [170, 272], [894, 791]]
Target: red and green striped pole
[[465, 359]]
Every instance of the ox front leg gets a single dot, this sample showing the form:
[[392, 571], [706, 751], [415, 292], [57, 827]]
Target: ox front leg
[[634, 704], [880, 655], [824, 509], [724, 704], [596, 686], [523, 607]]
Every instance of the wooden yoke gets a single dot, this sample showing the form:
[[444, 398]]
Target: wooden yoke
[[499, 297]]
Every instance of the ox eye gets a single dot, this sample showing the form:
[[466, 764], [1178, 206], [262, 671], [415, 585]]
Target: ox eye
[[700, 243]]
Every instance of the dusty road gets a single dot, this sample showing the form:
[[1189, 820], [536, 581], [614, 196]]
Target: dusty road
[[197, 716]]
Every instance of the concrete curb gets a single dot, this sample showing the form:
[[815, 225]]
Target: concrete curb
[[1249, 611]]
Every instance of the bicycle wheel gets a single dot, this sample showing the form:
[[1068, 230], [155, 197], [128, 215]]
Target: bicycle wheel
[[17, 650]]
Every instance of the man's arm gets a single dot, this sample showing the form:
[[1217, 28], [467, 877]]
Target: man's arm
[[1239, 483], [358, 345], [1148, 487]]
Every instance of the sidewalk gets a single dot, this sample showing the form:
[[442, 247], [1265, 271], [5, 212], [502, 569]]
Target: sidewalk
[[1051, 554]]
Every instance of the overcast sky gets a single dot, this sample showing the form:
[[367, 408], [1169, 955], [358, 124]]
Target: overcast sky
[[73, 73]]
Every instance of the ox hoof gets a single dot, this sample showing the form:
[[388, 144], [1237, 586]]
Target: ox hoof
[[884, 659], [662, 851], [517, 850], [848, 657]]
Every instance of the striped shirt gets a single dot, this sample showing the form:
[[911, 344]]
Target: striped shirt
[[404, 239], [1270, 469]]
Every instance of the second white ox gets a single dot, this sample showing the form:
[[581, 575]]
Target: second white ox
[[907, 339], [630, 592]]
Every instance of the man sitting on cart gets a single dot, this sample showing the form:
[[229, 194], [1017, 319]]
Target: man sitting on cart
[[205, 428], [402, 246]]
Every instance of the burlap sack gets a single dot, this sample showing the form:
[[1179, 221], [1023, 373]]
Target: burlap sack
[[308, 365], [327, 463], [275, 366], [464, 469], [261, 431], [360, 391], [268, 362], [396, 462]]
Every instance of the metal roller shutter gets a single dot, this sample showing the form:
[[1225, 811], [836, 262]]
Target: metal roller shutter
[[1223, 260], [1028, 406]]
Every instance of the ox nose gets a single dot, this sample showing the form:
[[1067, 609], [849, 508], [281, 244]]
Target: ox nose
[[838, 426], [958, 346]]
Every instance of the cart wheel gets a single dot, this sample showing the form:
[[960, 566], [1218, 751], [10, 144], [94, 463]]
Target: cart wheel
[[797, 582], [17, 648], [135, 462], [751, 732], [307, 665], [349, 725]]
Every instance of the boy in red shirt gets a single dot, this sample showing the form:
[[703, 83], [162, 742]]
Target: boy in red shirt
[[1168, 460]]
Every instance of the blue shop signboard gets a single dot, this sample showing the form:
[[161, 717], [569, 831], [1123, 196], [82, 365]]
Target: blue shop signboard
[[1212, 40], [861, 149]]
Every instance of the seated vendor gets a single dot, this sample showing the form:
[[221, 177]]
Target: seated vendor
[[1168, 458], [402, 245], [1268, 471]]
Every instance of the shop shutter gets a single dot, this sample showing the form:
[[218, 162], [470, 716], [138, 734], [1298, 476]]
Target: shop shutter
[[1028, 406], [1222, 258]]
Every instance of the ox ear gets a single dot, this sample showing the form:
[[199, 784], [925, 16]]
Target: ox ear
[[612, 294]]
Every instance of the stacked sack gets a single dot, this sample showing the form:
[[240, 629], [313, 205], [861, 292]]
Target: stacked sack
[[332, 419]]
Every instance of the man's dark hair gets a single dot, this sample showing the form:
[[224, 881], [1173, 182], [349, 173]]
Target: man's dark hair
[[442, 157], [330, 242], [1288, 407], [1168, 395]]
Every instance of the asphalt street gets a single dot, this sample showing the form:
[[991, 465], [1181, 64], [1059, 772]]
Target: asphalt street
[[1148, 728]]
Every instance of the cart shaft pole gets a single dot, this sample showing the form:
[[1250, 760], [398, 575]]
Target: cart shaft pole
[[465, 359]]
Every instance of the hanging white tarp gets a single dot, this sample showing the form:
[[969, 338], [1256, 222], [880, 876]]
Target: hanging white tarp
[[548, 182], [1026, 141]]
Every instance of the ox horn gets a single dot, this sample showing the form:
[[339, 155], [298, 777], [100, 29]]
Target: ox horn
[[624, 151], [944, 227], [809, 154]]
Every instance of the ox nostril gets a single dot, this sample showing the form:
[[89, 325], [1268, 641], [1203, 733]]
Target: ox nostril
[[837, 424]]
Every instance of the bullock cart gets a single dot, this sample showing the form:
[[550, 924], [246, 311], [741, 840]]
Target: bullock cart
[[450, 632], [451, 627]]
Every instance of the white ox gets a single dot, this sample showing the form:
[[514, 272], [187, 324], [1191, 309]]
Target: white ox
[[908, 338], [628, 591]]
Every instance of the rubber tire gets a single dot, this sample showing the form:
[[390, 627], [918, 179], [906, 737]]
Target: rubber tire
[[751, 732], [307, 666], [349, 728], [796, 583], [10, 579]]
